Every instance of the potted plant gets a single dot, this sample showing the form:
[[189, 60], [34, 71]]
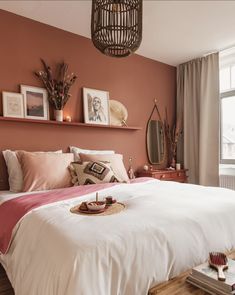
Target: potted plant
[[57, 87]]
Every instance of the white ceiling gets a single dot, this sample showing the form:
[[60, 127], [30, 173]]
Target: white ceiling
[[174, 31]]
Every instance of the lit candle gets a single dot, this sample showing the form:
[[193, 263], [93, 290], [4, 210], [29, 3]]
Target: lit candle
[[178, 166], [68, 119]]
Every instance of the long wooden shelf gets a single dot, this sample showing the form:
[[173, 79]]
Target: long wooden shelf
[[50, 122]]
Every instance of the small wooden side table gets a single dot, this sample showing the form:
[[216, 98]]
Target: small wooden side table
[[178, 285]]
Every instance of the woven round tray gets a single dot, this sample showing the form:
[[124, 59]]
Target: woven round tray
[[110, 210]]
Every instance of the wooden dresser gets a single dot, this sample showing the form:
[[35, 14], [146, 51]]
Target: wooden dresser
[[169, 175]]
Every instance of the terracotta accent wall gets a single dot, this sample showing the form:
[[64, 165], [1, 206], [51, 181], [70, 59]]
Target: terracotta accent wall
[[135, 81]]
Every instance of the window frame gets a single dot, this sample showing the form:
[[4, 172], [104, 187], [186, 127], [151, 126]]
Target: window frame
[[225, 94]]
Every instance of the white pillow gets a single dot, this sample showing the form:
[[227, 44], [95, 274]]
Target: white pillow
[[76, 151], [15, 175]]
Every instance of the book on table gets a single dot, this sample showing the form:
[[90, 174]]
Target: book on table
[[206, 277], [211, 289]]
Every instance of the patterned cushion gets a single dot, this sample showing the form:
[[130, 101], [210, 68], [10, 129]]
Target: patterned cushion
[[92, 173], [116, 161]]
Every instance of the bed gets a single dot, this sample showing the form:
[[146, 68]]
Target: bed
[[166, 228]]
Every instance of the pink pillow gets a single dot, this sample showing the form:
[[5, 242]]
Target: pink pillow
[[116, 161], [45, 171]]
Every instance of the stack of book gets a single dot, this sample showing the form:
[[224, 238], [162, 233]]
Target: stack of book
[[206, 278]]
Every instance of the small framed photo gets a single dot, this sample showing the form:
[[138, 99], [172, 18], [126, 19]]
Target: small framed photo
[[96, 106], [13, 104], [35, 102]]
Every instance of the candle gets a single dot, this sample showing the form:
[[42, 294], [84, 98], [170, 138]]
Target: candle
[[145, 167], [97, 197], [68, 119], [178, 166]]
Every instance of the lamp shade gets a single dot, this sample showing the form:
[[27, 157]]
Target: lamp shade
[[116, 26]]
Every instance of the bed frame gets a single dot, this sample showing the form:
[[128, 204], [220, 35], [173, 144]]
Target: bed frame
[[5, 285]]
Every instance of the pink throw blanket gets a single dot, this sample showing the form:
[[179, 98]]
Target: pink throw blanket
[[12, 211]]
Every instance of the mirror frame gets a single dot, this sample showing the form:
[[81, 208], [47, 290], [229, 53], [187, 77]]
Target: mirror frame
[[164, 135]]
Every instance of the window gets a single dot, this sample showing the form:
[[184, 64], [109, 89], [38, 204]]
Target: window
[[227, 109]]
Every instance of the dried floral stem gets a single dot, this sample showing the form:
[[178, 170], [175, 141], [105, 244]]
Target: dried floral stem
[[172, 135], [58, 88]]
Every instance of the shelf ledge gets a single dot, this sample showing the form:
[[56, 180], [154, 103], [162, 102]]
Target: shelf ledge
[[78, 124]]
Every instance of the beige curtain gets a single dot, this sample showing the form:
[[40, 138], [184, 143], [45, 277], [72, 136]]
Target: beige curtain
[[198, 100]]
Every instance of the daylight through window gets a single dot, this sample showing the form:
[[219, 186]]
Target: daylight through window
[[227, 115]]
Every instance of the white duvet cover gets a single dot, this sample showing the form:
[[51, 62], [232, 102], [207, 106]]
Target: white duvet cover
[[165, 229]]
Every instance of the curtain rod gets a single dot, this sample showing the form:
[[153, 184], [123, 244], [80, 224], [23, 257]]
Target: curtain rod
[[227, 50]]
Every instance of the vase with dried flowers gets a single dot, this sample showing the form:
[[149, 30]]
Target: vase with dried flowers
[[57, 87], [172, 136], [131, 170]]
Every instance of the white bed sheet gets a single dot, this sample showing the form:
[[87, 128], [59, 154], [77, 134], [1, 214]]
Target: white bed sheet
[[166, 229], [4, 195]]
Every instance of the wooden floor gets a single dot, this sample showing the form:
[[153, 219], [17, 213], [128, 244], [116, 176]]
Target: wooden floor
[[176, 286]]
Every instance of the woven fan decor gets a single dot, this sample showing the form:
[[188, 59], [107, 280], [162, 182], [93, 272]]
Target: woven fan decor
[[118, 113], [116, 26]]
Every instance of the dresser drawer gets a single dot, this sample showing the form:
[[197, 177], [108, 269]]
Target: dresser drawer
[[165, 175], [180, 174]]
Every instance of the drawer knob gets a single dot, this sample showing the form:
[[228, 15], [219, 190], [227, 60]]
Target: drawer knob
[[163, 176]]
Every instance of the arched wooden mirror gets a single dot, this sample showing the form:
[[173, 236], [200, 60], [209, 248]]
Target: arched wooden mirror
[[155, 137]]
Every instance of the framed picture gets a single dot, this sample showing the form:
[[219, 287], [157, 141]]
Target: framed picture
[[96, 106], [35, 102], [13, 104]]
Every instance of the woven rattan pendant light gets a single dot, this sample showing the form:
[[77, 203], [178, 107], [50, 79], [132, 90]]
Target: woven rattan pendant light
[[116, 26]]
